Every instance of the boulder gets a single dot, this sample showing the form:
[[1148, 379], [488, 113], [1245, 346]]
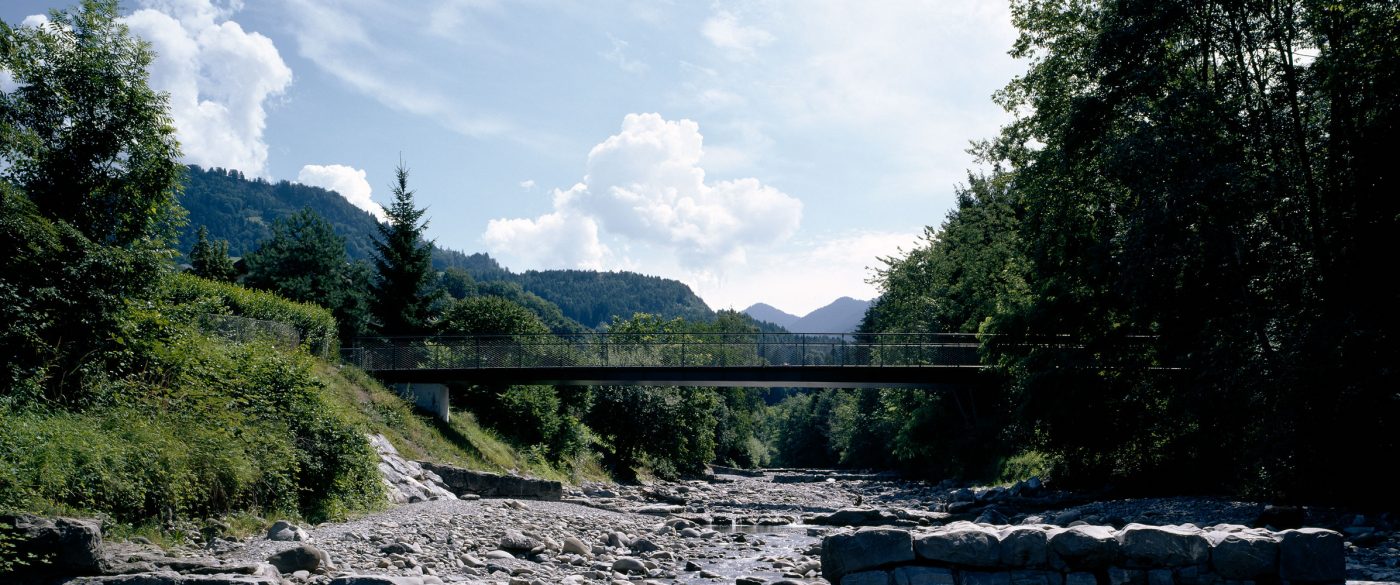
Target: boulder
[[376, 580], [853, 517], [629, 565], [1084, 547], [1242, 555], [1081, 578], [643, 545], [867, 578], [515, 540], [864, 549], [60, 546], [963, 543], [406, 479], [1023, 546], [922, 576], [985, 578], [1312, 555], [301, 558], [1162, 546], [576, 546], [283, 530]]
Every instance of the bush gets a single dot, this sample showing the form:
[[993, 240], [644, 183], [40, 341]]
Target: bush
[[315, 324]]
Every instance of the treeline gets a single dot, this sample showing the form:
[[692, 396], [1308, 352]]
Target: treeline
[[1198, 200], [246, 212]]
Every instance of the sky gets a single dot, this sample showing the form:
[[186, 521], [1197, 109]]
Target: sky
[[759, 151]]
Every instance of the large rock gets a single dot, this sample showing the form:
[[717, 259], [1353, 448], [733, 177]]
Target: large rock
[[407, 481], [1242, 554], [629, 565], [1023, 547], [922, 576], [867, 578], [1084, 547], [854, 517], [302, 558], [985, 578], [962, 543], [376, 580], [491, 485], [283, 530], [1312, 555], [1162, 546], [867, 548], [517, 541], [173, 578], [60, 546]]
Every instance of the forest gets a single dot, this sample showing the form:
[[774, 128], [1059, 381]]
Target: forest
[[1170, 257]]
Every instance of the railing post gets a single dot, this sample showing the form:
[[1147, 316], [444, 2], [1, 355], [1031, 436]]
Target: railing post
[[477, 339]]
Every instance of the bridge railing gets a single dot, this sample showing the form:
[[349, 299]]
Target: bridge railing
[[663, 350]]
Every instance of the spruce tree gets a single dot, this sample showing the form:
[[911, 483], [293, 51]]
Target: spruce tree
[[403, 261], [210, 259]]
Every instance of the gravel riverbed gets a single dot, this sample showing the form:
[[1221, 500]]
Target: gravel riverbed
[[734, 529]]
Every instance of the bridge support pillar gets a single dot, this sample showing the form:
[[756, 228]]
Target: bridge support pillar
[[429, 397]]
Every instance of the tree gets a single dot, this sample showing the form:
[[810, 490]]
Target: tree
[[210, 259], [305, 261], [84, 135], [403, 263], [489, 316], [88, 175]]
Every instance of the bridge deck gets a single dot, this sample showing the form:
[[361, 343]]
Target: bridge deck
[[723, 359]]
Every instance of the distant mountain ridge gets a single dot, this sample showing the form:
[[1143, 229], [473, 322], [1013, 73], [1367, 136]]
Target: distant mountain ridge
[[241, 211], [843, 315], [771, 314]]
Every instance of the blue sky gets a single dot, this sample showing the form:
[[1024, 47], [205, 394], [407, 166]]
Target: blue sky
[[766, 151]]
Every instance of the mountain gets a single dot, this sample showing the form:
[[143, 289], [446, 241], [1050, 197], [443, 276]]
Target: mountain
[[771, 314], [842, 316], [241, 211]]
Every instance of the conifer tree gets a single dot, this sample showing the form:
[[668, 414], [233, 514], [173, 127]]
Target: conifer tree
[[210, 259], [401, 301]]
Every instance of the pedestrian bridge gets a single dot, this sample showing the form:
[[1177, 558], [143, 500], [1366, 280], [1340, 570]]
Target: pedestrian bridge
[[808, 360]]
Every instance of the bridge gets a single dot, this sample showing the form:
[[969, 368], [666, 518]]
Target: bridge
[[808, 360]]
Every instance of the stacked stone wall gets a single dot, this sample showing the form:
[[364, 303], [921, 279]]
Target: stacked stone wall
[[964, 553]]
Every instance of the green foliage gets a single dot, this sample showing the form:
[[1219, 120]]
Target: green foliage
[[190, 296], [548, 312], [596, 298], [489, 316], [669, 430], [61, 297], [457, 283], [84, 136], [403, 265], [305, 261], [210, 259], [799, 430]]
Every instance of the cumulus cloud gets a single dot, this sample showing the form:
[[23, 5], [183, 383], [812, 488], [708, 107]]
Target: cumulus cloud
[[349, 182], [645, 185], [553, 239], [219, 76], [739, 42]]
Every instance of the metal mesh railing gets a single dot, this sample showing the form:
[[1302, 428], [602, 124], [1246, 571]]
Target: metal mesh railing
[[244, 329], [663, 350]]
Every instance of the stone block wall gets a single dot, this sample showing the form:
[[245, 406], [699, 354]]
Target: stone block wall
[[491, 485], [964, 553]]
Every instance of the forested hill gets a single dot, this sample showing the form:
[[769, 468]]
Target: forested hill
[[242, 210], [593, 298]]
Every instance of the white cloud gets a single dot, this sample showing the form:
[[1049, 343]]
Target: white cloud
[[527, 184], [35, 20], [739, 42], [349, 182], [618, 56], [807, 275], [645, 185], [551, 240], [219, 77], [7, 82]]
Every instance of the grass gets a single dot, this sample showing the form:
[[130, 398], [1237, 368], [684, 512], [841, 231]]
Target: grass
[[462, 442]]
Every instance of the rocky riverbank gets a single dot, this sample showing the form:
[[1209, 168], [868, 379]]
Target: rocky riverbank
[[725, 529]]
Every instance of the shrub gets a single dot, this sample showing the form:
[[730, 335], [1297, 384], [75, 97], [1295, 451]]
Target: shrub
[[315, 324]]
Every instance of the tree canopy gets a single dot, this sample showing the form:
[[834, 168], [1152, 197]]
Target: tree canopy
[[403, 265]]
